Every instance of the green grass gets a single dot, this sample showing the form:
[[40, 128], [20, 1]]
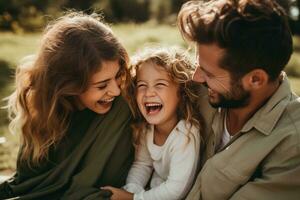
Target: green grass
[[135, 36], [15, 47]]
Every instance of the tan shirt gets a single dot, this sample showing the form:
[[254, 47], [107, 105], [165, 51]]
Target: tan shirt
[[262, 161]]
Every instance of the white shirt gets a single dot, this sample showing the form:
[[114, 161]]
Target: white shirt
[[226, 137], [174, 164]]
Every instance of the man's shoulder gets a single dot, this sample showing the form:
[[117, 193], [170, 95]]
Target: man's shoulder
[[291, 114], [288, 127], [294, 102]]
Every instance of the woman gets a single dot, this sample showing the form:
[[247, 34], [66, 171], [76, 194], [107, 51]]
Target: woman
[[74, 124]]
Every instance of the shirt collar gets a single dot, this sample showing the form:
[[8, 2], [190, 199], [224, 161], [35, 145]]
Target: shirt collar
[[265, 119]]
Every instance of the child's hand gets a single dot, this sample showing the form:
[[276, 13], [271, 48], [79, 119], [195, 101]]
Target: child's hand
[[118, 193]]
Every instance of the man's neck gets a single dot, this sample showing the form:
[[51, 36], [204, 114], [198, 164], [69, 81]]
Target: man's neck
[[237, 117]]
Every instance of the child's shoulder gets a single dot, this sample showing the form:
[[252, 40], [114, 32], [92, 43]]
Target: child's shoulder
[[185, 133], [185, 128], [185, 136]]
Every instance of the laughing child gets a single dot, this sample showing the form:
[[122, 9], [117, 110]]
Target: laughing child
[[167, 125]]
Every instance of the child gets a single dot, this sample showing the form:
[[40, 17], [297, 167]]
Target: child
[[73, 122], [166, 129]]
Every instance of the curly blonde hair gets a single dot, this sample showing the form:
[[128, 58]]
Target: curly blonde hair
[[180, 69]]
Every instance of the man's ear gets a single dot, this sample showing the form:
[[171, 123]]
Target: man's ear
[[256, 79]]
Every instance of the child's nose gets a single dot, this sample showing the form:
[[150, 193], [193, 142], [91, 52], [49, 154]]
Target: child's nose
[[150, 92]]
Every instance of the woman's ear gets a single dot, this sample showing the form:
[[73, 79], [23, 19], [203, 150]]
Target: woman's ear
[[256, 79]]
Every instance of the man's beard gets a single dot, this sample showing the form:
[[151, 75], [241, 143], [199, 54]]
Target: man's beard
[[237, 97]]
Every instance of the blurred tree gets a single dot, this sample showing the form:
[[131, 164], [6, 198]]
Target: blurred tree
[[18, 14], [104, 6], [292, 8], [163, 10], [176, 5], [160, 9], [127, 10], [78, 4], [296, 24]]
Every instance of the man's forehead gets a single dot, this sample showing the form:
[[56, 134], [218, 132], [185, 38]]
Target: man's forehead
[[208, 56]]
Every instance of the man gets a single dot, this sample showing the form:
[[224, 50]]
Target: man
[[253, 142]]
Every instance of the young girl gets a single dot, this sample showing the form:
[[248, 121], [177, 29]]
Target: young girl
[[166, 127], [74, 125]]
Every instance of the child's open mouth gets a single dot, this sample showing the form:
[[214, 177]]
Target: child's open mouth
[[153, 108]]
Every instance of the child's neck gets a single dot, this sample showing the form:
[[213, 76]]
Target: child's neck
[[161, 132]]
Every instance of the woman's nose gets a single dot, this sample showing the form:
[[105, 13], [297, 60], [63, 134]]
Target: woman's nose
[[114, 89]]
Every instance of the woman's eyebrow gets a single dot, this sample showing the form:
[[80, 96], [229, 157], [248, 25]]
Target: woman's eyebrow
[[104, 81]]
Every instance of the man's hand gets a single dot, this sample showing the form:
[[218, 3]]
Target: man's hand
[[119, 193]]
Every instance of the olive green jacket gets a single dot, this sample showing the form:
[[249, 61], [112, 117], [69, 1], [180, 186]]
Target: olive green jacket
[[96, 151], [262, 161]]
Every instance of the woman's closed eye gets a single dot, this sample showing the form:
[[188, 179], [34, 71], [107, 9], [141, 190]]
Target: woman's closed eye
[[102, 87]]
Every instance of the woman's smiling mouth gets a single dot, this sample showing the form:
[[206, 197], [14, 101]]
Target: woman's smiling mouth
[[105, 101]]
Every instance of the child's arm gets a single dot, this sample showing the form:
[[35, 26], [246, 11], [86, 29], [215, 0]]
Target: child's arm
[[141, 169], [184, 157]]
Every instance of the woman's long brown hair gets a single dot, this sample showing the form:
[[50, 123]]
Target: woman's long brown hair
[[47, 85]]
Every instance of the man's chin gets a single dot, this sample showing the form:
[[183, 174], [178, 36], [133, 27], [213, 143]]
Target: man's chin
[[215, 104], [228, 104]]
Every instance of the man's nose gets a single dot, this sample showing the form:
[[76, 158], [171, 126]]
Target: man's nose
[[198, 76]]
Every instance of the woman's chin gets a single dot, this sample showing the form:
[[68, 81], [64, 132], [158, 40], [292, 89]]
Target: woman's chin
[[103, 108]]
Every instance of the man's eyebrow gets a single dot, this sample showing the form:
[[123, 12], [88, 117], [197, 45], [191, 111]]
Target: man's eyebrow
[[200, 66], [207, 72]]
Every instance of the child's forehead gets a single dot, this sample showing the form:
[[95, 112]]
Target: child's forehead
[[152, 66], [153, 72]]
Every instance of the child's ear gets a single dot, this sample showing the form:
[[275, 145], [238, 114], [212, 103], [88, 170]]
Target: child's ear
[[256, 79]]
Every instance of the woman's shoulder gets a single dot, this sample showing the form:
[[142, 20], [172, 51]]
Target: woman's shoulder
[[120, 102], [120, 107]]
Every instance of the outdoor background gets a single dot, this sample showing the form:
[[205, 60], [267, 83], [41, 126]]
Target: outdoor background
[[135, 22]]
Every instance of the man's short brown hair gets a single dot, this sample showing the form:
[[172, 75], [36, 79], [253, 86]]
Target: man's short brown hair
[[253, 33]]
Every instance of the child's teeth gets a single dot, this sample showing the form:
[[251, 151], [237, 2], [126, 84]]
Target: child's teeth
[[152, 104]]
